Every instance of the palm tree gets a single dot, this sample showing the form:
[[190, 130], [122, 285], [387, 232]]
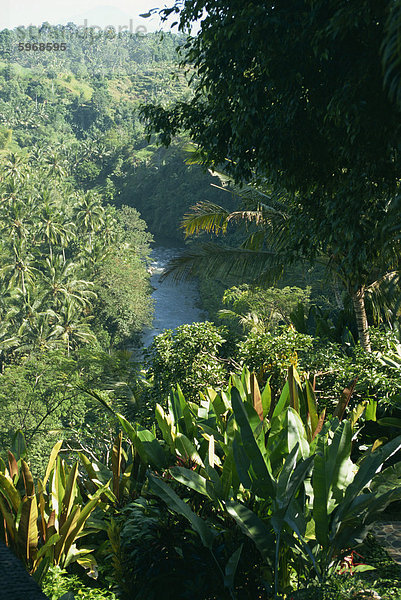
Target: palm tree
[[60, 283], [16, 223], [71, 328], [269, 247], [53, 229], [34, 321], [55, 165], [14, 167], [89, 214], [19, 270]]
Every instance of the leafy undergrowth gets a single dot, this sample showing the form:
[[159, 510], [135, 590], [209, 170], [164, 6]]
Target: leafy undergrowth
[[384, 582], [58, 582]]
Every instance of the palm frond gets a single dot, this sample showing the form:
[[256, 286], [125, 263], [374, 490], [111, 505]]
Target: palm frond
[[205, 216], [391, 52], [217, 261]]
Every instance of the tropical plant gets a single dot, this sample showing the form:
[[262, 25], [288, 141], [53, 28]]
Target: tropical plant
[[188, 355], [300, 476], [42, 523], [346, 190]]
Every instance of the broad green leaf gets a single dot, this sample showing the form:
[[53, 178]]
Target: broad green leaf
[[9, 518], [193, 480], [266, 399], [262, 480], [150, 449], [52, 459], [165, 425], [296, 433], [18, 445], [358, 412], [187, 450], [174, 502], [283, 401], [127, 427], [320, 500], [28, 534], [10, 493], [369, 466], [242, 463], [389, 422], [116, 464], [293, 389], [231, 568], [79, 519], [312, 406], [254, 528], [28, 479], [370, 413], [98, 473], [69, 495], [12, 464], [256, 396], [52, 541]]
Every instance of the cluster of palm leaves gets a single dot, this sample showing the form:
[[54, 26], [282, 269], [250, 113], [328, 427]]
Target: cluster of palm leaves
[[271, 220], [52, 238]]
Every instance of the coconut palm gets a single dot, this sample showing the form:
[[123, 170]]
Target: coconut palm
[[55, 165], [53, 229], [15, 167], [89, 214], [19, 270], [60, 283], [270, 245], [71, 329], [16, 223]]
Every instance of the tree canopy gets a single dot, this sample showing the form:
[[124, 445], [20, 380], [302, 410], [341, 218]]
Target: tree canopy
[[294, 92]]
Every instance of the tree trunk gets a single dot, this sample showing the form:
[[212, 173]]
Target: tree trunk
[[358, 300]]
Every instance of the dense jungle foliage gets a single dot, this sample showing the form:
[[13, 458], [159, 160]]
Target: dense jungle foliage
[[247, 456]]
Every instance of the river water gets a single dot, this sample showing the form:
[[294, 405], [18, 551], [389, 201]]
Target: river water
[[175, 303]]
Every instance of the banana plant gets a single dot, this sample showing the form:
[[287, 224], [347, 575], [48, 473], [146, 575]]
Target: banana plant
[[43, 523]]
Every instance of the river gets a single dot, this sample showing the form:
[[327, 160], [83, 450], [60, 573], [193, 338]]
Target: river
[[175, 303]]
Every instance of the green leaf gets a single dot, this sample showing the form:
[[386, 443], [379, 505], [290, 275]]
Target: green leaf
[[312, 406], [28, 534], [174, 502], [256, 396], [10, 493], [165, 426], [28, 479], [296, 433], [283, 401], [116, 464], [231, 568], [370, 413], [193, 480], [389, 422], [254, 528], [70, 493], [150, 449], [52, 459], [127, 427], [187, 450], [18, 445], [261, 478], [266, 399]]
